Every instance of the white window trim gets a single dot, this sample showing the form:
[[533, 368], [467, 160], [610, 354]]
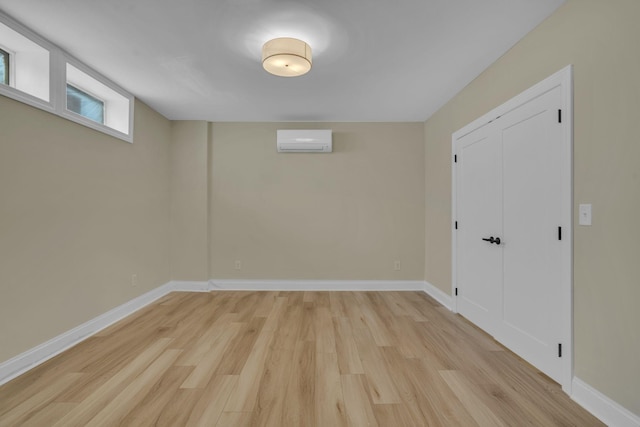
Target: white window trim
[[74, 117], [18, 95], [58, 60]]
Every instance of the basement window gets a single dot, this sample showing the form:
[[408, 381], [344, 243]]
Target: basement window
[[40, 74], [95, 102], [24, 65], [4, 67]]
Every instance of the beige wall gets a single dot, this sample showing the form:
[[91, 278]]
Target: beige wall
[[345, 215], [189, 200], [80, 212], [601, 39]]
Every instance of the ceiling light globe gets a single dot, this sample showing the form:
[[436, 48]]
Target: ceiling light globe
[[286, 57]]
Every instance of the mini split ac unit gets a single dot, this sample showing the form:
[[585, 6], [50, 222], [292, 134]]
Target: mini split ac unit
[[304, 141]]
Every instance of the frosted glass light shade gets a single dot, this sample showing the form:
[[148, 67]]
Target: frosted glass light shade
[[286, 57]]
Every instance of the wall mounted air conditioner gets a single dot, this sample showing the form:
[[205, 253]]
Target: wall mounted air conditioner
[[304, 141]]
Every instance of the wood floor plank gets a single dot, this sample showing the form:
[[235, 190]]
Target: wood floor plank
[[177, 410], [412, 400], [201, 348], [285, 359], [354, 311], [374, 320], [325, 338], [148, 409], [309, 296], [265, 304], [39, 400], [95, 401], [378, 373], [346, 348], [203, 372], [506, 408], [406, 337], [48, 415], [357, 403], [401, 306], [337, 304], [244, 395], [329, 400], [438, 403], [322, 300], [184, 327], [118, 408], [524, 385], [269, 408], [274, 316], [234, 419], [482, 414], [300, 391], [394, 415], [210, 405], [294, 298], [308, 329], [240, 346]]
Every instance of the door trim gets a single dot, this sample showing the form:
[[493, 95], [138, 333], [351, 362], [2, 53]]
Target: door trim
[[564, 80]]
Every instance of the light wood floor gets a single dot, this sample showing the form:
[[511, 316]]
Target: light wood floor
[[289, 359]]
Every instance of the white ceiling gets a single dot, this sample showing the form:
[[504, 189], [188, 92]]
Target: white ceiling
[[373, 60]]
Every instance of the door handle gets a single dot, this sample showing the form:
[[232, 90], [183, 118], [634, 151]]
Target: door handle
[[492, 240]]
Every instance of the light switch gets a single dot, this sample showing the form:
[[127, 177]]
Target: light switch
[[584, 214]]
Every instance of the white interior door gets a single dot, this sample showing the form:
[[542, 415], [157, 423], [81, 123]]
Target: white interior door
[[480, 217], [509, 185], [532, 212]]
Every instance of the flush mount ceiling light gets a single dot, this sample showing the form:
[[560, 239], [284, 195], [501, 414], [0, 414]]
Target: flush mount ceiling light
[[286, 57]]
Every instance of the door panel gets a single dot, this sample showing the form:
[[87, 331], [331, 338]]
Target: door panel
[[531, 138], [480, 202]]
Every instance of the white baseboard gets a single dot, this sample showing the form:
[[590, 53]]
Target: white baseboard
[[182, 286], [45, 351], [438, 295], [315, 285], [608, 411]]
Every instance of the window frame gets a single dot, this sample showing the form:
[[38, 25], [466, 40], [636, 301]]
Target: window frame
[[19, 95], [99, 78], [8, 72], [57, 80]]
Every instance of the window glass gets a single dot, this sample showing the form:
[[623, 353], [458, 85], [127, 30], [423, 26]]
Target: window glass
[[4, 67], [84, 104]]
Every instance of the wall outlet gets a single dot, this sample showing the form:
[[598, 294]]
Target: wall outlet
[[134, 280], [238, 265], [396, 265]]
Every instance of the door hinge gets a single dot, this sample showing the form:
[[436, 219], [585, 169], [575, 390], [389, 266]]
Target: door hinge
[[455, 158], [456, 291], [456, 225], [559, 350], [559, 116], [559, 233]]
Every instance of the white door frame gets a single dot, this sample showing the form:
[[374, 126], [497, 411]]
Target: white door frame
[[564, 80]]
